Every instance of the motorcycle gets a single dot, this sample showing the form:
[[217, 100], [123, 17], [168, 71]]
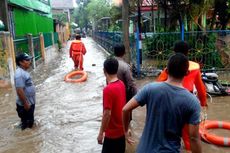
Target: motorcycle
[[213, 85]]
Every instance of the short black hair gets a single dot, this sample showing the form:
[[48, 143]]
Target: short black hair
[[178, 65], [181, 47], [111, 65], [22, 56], [78, 37], [119, 50]]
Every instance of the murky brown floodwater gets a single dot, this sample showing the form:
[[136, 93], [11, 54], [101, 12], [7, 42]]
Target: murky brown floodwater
[[68, 115]]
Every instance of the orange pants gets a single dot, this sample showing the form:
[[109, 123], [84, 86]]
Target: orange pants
[[78, 61], [185, 137]]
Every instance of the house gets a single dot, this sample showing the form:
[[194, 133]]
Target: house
[[26, 16], [62, 7]]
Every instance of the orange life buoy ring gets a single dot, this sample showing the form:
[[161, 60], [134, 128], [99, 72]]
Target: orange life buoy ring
[[68, 77], [212, 138]]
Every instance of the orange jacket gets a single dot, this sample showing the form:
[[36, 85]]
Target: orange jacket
[[77, 47], [193, 78]]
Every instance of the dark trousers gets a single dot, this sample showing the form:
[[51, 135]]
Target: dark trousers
[[27, 117], [114, 145]]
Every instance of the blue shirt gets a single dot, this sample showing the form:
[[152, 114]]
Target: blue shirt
[[23, 80], [169, 108]]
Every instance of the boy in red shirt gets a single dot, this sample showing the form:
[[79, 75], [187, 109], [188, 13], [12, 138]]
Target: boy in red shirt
[[193, 78], [114, 98], [76, 52]]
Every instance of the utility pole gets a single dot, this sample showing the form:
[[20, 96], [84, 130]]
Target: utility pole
[[139, 28], [138, 39]]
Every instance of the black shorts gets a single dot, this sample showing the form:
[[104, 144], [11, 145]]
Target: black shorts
[[114, 145]]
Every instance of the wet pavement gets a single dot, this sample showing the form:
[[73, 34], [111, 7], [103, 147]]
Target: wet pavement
[[68, 115]]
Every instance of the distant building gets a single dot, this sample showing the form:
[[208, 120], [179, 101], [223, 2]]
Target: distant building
[[62, 7]]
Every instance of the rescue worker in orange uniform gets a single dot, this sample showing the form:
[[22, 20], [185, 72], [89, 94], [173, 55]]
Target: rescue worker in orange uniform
[[192, 79], [76, 52]]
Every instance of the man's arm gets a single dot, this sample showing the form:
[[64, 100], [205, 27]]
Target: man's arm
[[163, 76], [104, 124], [194, 138], [201, 91], [131, 86], [83, 49], [70, 50], [132, 104], [22, 97]]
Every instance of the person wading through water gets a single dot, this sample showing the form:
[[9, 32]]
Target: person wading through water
[[76, 52]]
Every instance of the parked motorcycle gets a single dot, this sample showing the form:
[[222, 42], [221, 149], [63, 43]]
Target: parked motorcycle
[[212, 84]]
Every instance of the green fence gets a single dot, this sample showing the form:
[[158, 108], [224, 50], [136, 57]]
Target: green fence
[[21, 45], [37, 47], [48, 39], [56, 37]]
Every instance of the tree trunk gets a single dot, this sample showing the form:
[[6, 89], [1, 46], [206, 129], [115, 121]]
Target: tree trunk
[[125, 29]]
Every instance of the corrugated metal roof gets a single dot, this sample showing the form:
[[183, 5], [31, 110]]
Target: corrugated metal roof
[[62, 4]]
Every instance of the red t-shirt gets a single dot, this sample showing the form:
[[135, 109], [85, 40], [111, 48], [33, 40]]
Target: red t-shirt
[[114, 99]]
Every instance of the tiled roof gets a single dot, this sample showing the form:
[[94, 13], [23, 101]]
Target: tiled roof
[[62, 4]]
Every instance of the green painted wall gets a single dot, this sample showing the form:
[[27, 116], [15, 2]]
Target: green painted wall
[[31, 22]]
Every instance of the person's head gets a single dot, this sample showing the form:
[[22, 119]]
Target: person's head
[[78, 37], [181, 47], [23, 60], [119, 50], [110, 66], [177, 66]]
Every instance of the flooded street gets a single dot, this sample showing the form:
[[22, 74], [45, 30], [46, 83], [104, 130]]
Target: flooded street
[[68, 115]]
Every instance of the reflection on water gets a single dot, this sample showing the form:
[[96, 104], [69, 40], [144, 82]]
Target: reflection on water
[[68, 114]]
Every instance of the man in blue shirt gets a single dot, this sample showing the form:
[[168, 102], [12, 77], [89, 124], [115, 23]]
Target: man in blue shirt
[[25, 89], [169, 107]]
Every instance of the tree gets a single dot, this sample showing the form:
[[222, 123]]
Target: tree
[[97, 9], [81, 15]]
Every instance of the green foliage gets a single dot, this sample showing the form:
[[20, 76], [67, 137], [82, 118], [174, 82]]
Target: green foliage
[[97, 9], [3, 62], [61, 17], [59, 45], [115, 13], [81, 15], [114, 27]]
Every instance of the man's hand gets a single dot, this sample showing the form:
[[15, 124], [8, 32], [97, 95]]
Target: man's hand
[[26, 106], [100, 138], [128, 137]]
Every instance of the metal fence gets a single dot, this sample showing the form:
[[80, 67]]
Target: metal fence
[[108, 39], [48, 39], [211, 49], [21, 45], [37, 47], [207, 48], [56, 37]]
